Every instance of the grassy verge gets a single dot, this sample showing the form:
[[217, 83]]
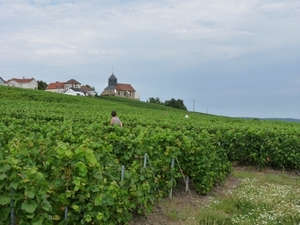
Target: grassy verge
[[249, 197]]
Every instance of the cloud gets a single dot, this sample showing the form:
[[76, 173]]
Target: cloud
[[151, 27], [214, 48]]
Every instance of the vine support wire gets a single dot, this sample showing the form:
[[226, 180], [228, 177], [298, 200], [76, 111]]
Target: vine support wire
[[147, 159], [12, 211], [171, 190], [185, 180]]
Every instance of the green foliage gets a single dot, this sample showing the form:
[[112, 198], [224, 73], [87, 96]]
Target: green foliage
[[42, 85], [178, 104], [59, 151], [155, 100]]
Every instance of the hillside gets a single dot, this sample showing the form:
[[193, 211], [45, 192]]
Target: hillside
[[102, 103], [63, 161]]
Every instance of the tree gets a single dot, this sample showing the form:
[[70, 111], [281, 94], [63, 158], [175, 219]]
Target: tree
[[155, 100], [91, 87], [178, 104], [42, 85]]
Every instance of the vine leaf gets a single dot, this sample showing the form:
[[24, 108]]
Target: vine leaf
[[4, 200], [29, 206]]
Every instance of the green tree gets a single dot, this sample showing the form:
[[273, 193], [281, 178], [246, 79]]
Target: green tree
[[42, 85], [178, 104], [155, 100]]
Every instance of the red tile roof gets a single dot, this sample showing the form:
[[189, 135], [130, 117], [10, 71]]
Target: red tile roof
[[85, 88], [24, 80], [54, 85], [124, 87], [72, 81]]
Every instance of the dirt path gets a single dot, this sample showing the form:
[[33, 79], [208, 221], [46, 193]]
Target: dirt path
[[181, 207], [173, 211]]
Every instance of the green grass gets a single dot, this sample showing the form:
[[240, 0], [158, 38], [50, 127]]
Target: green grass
[[261, 197]]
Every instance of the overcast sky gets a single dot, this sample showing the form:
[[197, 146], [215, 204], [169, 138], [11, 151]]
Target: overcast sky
[[238, 58]]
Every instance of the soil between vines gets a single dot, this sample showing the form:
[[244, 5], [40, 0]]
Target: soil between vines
[[183, 206], [183, 200]]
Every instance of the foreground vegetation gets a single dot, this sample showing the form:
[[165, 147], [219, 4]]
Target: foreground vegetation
[[60, 161]]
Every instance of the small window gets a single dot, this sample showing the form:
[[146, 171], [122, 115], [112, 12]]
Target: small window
[[118, 93]]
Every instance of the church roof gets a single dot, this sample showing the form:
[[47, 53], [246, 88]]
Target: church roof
[[111, 87], [112, 76], [124, 87]]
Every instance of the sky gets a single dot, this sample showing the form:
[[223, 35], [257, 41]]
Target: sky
[[236, 58]]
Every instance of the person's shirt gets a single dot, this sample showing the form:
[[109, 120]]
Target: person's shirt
[[186, 116], [115, 120]]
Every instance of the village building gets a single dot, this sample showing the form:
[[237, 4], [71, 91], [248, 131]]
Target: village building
[[61, 87], [75, 91], [71, 87], [88, 90], [119, 89], [58, 87], [30, 83]]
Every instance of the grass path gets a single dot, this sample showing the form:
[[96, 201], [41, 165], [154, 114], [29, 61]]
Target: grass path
[[248, 197]]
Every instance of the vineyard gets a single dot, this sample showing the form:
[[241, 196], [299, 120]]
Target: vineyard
[[62, 163]]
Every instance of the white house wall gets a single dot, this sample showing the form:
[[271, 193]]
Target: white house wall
[[67, 86], [55, 90], [32, 85], [75, 93]]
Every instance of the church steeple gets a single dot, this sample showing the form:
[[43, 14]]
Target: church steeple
[[112, 80]]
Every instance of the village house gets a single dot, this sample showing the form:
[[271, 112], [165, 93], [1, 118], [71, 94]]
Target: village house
[[88, 90], [119, 89], [23, 83], [61, 87], [58, 87], [75, 91], [71, 87]]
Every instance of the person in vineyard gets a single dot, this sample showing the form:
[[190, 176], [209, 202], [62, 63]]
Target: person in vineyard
[[115, 120]]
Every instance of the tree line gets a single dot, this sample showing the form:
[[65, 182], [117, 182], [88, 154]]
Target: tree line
[[178, 104]]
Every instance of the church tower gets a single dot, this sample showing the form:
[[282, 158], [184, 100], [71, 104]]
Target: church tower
[[112, 81]]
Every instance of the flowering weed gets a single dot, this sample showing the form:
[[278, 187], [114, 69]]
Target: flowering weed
[[259, 199]]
